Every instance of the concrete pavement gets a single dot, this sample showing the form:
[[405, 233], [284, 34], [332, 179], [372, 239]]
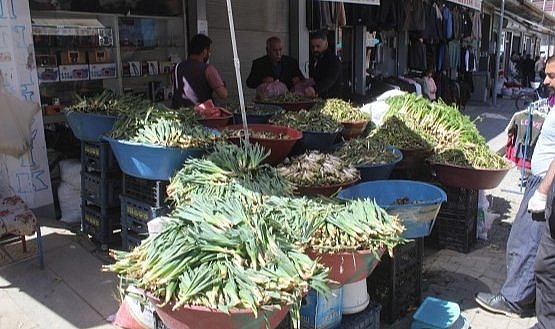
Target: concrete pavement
[[72, 292]]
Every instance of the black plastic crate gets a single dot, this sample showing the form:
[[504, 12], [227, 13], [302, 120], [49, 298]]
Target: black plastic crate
[[152, 192], [367, 319], [456, 222], [396, 283], [100, 223], [130, 240], [101, 188], [136, 214], [98, 156]]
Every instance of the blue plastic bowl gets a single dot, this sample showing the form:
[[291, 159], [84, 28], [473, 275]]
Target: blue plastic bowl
[[418, 218], [270, 111], [371, 172], [318, 140], [90, 126], [150, 161]]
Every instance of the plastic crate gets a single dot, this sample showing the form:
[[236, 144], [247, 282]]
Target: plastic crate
[[136, 214], [396, 283], [367, 319], [130, 240], [456, 222], [152, 192], [100, 223], [98, 156], [322, 311], [101, 188]]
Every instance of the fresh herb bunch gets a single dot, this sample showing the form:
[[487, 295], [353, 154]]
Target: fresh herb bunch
[[288, 97], [455, 137], [173, 133], [342, 111], [222, 254], [394, 131], [362, 151], [318, 169], [229, 170], [303, 120]]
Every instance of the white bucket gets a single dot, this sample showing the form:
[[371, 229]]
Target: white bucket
[[355, 297]]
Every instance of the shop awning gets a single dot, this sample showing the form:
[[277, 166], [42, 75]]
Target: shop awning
[[58, 26], [362, 2], [474, 4], [526, 13]]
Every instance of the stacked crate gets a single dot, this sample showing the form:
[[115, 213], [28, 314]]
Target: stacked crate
[[100, 188], [141, 201], [455, 225], [396, 283]]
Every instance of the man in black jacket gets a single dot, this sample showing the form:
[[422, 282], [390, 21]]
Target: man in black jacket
[[325, 67], [274, 66]]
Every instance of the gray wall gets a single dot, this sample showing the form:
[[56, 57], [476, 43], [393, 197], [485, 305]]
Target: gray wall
[[255, 21]]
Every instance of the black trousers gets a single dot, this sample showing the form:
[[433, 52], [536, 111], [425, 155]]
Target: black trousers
[[545, 269]]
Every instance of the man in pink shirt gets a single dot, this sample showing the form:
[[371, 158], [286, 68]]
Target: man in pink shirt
[[195, 79]]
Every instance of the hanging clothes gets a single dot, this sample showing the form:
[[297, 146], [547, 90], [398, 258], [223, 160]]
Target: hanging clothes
[[477, 26], [340, 12], [456, 15], [431, 30], [392, 15], [415, 17], [417, 54], [447, 22], [313, 15], [327, 10], [466, 25], [454, 53], [439, 22]]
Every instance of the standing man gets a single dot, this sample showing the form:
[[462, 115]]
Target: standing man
[[274, 66], [195, 79], [325, 68], [518, 293]]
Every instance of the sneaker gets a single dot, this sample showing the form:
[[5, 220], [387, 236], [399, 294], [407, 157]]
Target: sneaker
[[496, 304]]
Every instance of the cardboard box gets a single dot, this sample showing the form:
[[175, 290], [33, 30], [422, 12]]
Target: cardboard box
[[99, 56], [74, 72], [48, 74], [322, 312], [72, 57], [103, 71]]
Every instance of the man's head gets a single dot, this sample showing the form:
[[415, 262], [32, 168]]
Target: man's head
[[200, 46], [318, 43], [274, 49], [549, 80]]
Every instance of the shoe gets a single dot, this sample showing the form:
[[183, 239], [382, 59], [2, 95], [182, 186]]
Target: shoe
[[496, 304]]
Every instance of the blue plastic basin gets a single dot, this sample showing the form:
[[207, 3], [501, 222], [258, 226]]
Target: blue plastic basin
[[418, 218], [372, 172], [269, 111], [89, 126], [318, 140], [150, 161]]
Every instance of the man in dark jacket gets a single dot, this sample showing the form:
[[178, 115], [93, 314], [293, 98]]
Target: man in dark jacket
[[195, 79], [274, 66], [325, 67]]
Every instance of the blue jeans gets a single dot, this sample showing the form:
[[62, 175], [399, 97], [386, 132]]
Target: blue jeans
[[519, 288]]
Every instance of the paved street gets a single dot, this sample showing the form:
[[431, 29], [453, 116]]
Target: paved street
[[71, 292]]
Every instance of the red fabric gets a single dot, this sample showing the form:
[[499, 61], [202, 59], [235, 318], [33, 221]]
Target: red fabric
[[510, 154], [208, 110]]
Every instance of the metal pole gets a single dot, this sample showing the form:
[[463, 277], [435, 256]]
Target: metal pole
[[498, 53], [237, 69]]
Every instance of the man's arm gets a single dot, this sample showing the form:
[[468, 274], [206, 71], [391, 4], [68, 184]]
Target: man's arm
[[215, 81], [259, 74], [539, 198], [331, 73]]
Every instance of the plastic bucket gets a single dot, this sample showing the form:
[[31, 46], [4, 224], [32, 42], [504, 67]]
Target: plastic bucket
[[355, 297], [371, 172], [150, 161], [269, 111], [418, 216], [90, 126]]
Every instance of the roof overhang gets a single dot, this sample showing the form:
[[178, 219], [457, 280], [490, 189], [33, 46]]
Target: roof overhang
[[526, 13]]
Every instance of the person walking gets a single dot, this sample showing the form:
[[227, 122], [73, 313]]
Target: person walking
[[518, 293]]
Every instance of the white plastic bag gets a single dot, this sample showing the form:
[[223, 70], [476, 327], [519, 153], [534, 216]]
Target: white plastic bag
[[15, 126], [483, 219], [70, 203], [70, 172]]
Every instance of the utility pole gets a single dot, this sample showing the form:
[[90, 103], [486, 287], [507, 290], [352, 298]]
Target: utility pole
[[498, 53]]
